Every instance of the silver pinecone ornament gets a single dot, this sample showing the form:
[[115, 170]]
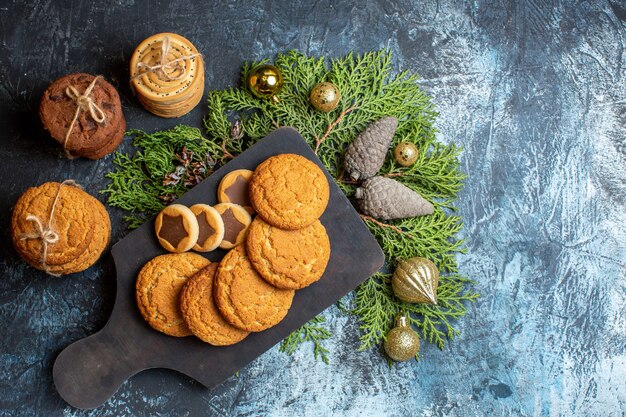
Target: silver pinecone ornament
[[366, 155], [387, 199]]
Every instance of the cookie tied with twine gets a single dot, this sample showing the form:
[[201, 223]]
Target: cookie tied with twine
[[59, 229], [167, 75], [83, 113]]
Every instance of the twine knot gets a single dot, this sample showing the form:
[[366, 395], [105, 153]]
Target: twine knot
[[45, 233], [163, 64], [85, 103]]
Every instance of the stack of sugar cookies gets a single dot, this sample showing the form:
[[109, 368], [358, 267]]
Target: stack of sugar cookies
[[83, 113], [60, 229], [167, 75], [286, 248]]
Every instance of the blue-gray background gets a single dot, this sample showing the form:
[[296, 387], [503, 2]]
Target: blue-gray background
[[534, 90]]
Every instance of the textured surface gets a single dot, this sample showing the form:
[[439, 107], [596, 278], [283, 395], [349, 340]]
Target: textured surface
[[244, 299], [535, 92], [201, 314], [288, 259], [289, 191], [158, 290]]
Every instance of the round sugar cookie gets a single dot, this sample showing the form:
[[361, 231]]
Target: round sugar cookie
[[288, 259], [201, 314], [245, 299], [210, 227], [289, 191], [176, 228], [72, 221], [236, 221], [158, 289], [233, 188], [99, 242]]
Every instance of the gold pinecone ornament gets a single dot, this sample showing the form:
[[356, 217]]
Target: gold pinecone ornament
[[387, 199], [415, 280], [325, 97], [366, 155], [402, 342]]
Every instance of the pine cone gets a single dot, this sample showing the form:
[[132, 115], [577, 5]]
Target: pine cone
[[366, 155], [388, 199]]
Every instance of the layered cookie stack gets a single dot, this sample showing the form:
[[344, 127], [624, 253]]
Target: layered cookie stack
[[60, 229], [285, 248], [167, 75], [84, 114]]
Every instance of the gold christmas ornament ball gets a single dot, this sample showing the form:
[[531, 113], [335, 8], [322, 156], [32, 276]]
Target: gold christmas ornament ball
[[405, 153], [265, 81], [325, 97], [415, 280], [402, 342]]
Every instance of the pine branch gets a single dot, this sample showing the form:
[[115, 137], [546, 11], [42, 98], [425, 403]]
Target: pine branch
[[370, 90], [137, 182], [314, 332]]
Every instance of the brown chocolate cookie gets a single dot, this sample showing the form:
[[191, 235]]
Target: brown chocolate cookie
[[289, 191], [210, 227], [200, 313], [288, 259], [158, 290], [245, 299], [176, 228], [88, 136], [236, 221], [234, 189]]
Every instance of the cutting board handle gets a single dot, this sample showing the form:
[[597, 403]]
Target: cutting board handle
[[88, 372]]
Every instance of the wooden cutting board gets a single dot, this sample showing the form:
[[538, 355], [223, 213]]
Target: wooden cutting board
[[88, 372]]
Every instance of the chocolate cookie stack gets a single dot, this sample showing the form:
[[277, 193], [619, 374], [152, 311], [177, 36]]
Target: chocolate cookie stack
[[59, 229], [167, 74], [84, 114]]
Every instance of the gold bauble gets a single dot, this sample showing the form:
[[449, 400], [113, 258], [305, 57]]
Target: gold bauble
[[402, 341], [405, 153], [265, 81], [415, 280], [325, 97]]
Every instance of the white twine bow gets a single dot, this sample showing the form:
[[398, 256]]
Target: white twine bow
[[85, 103], [46, 234], [164, 64]]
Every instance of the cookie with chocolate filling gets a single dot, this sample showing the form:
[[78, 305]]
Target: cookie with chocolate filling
[[176, 228], [234, 189], [236, 221], [210, 227]]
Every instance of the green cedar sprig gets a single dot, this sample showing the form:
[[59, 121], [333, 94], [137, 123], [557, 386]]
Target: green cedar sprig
[[137, 182], [313, 332], [370, 90]]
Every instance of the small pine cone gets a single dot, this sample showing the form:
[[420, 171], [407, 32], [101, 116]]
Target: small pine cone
[[366, 155], [388, 199]]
